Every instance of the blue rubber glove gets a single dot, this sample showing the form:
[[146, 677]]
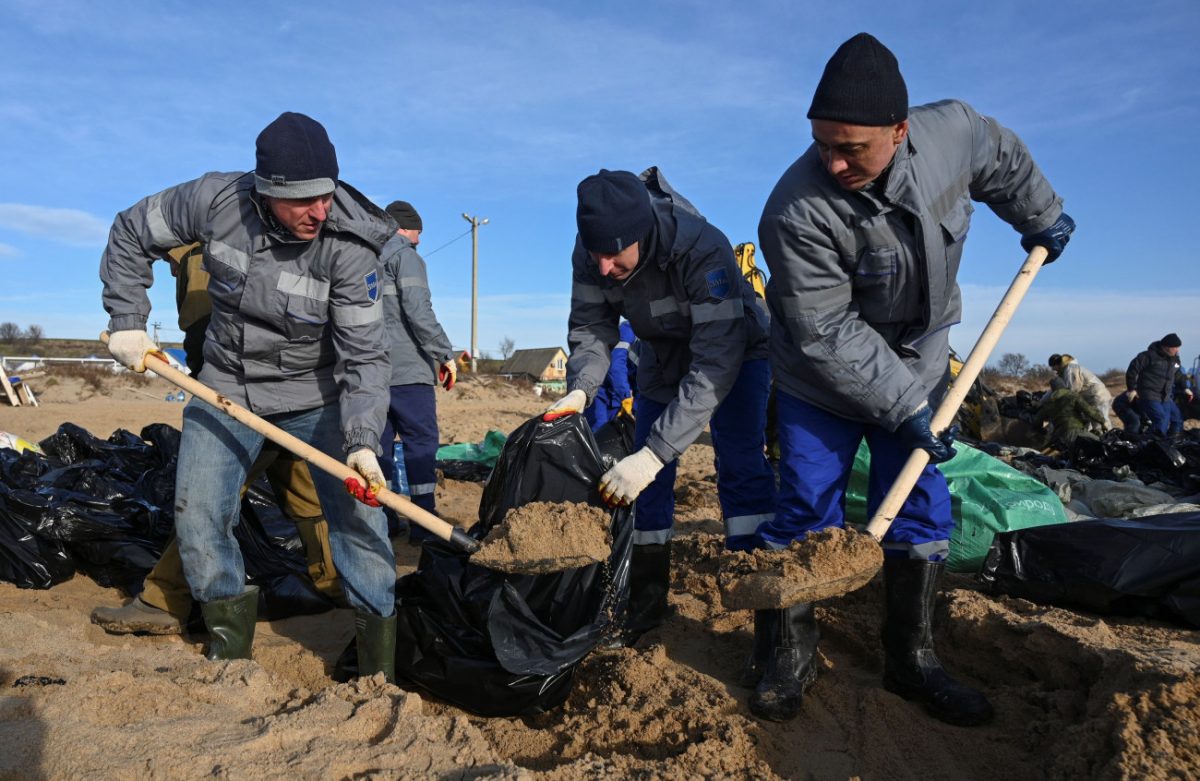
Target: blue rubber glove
[[1054, 238], [915, 433]]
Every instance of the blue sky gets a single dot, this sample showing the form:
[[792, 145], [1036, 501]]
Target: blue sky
[[499, 109]]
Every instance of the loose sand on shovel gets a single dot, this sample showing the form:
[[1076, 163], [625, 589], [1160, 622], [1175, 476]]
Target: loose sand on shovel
[[542, 537], [823, 564]]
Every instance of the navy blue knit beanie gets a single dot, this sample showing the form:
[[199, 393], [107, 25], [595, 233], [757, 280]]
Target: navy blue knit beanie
[[861, 85], [294, 158], [614, 211], [1171, 340]]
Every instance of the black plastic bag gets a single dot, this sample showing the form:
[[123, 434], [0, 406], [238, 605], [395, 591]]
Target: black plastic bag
[[498, 644], [26, 559], [1129, 567]]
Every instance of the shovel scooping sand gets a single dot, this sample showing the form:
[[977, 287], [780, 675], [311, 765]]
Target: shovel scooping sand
[[817, 567], [543, 537]]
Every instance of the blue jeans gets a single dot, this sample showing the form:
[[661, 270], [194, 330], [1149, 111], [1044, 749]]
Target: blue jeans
[[215, 453], [745, 482], [412, 414], [817, 450]]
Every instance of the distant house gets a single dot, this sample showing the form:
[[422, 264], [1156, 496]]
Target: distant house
[[544, 365]]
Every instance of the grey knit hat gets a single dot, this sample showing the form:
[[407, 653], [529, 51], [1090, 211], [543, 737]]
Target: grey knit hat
[[294, 158]]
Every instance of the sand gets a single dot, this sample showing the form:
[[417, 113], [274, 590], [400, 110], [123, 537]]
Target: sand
[[1076, 695], [824, 564], [543, 537]]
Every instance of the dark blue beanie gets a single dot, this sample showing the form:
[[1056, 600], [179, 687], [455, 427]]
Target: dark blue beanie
[[294, 158], [861, 85], [614, 211]]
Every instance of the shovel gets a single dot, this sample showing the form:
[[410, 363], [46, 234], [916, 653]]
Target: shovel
[[857, 563], [452, 534]]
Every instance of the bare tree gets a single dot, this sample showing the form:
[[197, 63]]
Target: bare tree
[[507, 345], [34, 334], [1013, 364], [9, 332]]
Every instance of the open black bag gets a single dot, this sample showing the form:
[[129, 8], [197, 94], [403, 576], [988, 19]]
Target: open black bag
[[1128, 567], [507, 645]]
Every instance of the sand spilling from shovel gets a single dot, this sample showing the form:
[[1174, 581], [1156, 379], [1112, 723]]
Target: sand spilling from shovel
[[823, 564], [542, 537]]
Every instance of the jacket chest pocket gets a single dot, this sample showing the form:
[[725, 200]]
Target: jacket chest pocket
[[877, 283], [954, 232], [306, 314]]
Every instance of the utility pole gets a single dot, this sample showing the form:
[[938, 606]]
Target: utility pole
[[475, 223], [156, 327]]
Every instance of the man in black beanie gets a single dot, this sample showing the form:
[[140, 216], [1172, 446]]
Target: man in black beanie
[[1153, 380], [297, 337], [863, 235], [645, 253], [421, 356]]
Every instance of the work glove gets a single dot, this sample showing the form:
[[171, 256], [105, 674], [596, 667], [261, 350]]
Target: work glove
[[629, 477], [915, 433], [366, 464], [1054, 238], [1132, 396], [131, 347], [572, 403], [448, 374]]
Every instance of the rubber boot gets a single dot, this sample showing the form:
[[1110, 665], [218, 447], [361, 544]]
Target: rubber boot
[[137, 617], [649, 585], [911, 668], [765, 629], [791, 666], [375, 643], [230, 625]]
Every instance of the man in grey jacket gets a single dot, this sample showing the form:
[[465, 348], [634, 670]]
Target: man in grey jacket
[[643, 251], [420, 355], [863, 235], [296, 336]]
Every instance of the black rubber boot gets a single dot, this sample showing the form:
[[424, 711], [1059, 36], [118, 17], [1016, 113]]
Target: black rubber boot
[[911, 668], [765, 630], [375, 642], [649, 585], [791, 666], [230, 624]]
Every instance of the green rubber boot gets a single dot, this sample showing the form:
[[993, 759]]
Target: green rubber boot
[[375, 640], [230, 625]]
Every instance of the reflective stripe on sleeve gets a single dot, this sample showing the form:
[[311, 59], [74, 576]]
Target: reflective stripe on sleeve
[[228, 256], [157, 223], [357, 315], [729, 309]]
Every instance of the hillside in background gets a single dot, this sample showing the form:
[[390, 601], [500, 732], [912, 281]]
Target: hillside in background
[[60, 348]]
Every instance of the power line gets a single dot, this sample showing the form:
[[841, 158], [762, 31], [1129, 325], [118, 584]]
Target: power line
[[447, 244]]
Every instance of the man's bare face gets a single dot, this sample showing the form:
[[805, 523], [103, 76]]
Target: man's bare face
[[856, 155], [620, 265], [412, 235], [302, 216]]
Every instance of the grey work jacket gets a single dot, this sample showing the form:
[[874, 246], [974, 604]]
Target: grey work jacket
[[863, 285], [695, 317], [417, 345], [295, 324]]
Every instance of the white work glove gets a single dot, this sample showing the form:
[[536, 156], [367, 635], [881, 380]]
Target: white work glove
[[570, 404], [130, 348], [1132, 396], [366, 464], [629, 477], [448, 374]]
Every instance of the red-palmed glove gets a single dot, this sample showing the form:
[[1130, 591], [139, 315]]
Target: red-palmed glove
[[448, 374], [571, 404], [366, 464]]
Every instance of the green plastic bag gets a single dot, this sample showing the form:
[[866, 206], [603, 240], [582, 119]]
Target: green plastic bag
[[986, 495], [485, 452]]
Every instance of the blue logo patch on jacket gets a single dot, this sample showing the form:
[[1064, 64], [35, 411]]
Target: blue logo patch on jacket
[[372, 282], [718, 283]]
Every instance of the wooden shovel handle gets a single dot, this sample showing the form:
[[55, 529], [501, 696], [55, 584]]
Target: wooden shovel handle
[[384, 496], [897, 495]]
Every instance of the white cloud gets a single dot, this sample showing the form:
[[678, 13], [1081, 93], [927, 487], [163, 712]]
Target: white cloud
[[69, 226], [8, 251]]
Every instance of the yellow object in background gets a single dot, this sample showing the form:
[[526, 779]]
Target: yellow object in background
[[13, 442]]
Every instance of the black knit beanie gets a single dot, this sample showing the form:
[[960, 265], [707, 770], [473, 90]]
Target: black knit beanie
[[614, 211], [294, 159], [1171, 340], [861, 85], [405, 215], [1055, 361]]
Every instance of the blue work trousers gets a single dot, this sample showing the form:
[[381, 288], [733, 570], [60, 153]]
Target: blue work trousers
[[215, 453], [412, 414], [745, 482], [1164, 415], [817, 450]]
